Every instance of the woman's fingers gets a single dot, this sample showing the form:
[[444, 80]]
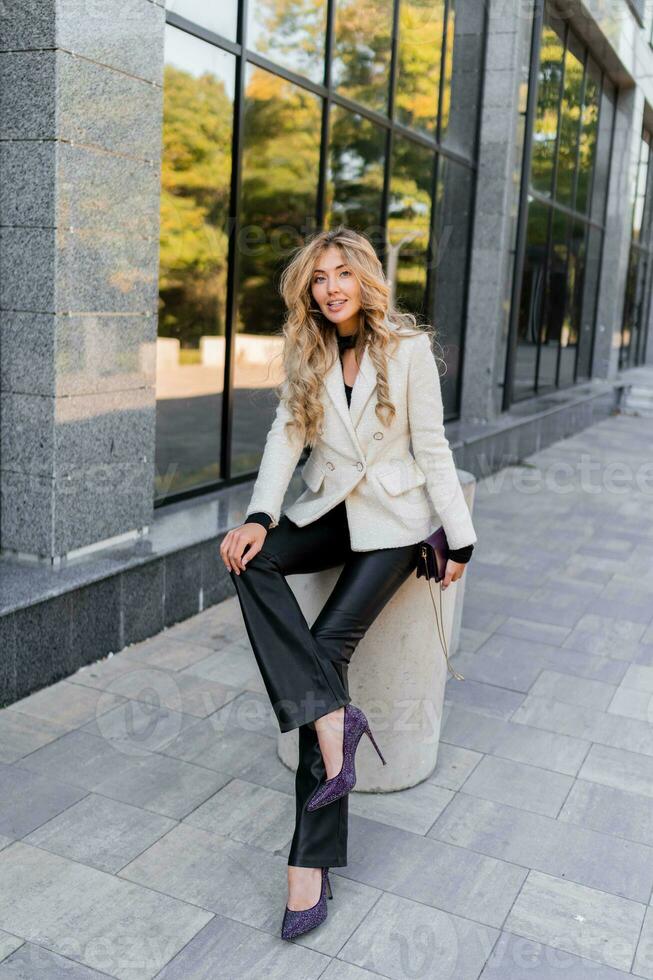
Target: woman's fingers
[[236, 549], [453, 571], [234, 544], [231, 550], [254, 548]]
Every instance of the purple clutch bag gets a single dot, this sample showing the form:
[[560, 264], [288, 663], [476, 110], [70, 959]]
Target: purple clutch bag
[[434, 556]]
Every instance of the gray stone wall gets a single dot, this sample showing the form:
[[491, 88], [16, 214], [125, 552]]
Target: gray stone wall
[[80, 158], [497, 200]]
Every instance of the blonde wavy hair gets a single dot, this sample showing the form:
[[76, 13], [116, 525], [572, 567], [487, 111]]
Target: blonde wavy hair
[[310, 339]]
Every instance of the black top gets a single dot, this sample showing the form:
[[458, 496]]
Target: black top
[[458, 554]]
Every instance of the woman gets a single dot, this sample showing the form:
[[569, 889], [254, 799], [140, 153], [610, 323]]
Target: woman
[[367, 505]]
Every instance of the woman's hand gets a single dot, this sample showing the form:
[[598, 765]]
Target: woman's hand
[[453, 571], [235, 542]]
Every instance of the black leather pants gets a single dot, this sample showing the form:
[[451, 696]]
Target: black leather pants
[[305, 669]]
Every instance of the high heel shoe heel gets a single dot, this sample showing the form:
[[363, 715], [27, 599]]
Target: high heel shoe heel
[[355, 724], [296, 923]]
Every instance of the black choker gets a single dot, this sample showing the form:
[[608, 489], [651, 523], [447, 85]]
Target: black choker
[[344, 343]]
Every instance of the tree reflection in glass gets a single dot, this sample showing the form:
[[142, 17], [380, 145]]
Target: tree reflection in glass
[[356, 164], [570, 111], [290, 33], [546, 115], [195, 194], [277, 208], [409, 219], [361, 59], [421, 23]]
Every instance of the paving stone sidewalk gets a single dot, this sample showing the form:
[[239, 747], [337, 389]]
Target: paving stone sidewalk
[[145, 817]]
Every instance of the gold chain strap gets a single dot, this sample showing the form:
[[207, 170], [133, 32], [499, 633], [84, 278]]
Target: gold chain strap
[[440, 624]]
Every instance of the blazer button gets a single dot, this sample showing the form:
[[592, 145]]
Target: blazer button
[[378, 435], [359, 466], [330, 465]]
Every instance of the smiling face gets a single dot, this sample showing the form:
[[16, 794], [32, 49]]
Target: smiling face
[[336, 290]]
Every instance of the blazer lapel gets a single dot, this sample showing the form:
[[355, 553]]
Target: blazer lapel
[[364, 385]]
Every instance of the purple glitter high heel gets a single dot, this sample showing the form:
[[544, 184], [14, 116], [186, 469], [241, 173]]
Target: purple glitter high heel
[[355, 724], [295, 923]]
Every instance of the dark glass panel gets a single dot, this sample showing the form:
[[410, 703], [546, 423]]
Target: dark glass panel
[[409, 219], [356, 163], [570, 110], [555, 301], [531, 299], [636, 307], [546, 113], [195, 205], [278, 200], [589, 301], [631, 299], [447, 285], [221, 17], [588, 135], [361, 59], [421, 26], [290, 33], [571, 326], [462, 76]]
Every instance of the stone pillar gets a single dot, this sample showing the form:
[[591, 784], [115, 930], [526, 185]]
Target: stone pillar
[[397, 674], [80, 148], [618, 230], [497, 201]]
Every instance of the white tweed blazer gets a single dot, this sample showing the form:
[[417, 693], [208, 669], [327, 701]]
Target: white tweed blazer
[[393, 496]]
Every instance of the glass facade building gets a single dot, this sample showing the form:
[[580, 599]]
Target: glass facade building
[[281, 118], [159, 168], [567, 152]]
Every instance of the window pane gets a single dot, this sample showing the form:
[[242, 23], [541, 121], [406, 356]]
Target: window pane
[[603, 149], [631, 301], [572, 319], [409, 217], [546, 114], [361, 59], [355, 183], [290, 33], [448, 278], [555, 301], [421, 23], [462, 76], [531, 300], [277, 201], [195, 204], [569, 124], [588, 135], [222, 17], [590, 297]]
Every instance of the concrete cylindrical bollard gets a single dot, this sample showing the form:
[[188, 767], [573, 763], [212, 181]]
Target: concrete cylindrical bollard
[[397, 675]]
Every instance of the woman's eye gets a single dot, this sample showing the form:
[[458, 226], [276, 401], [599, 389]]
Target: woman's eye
[[344, 273]]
